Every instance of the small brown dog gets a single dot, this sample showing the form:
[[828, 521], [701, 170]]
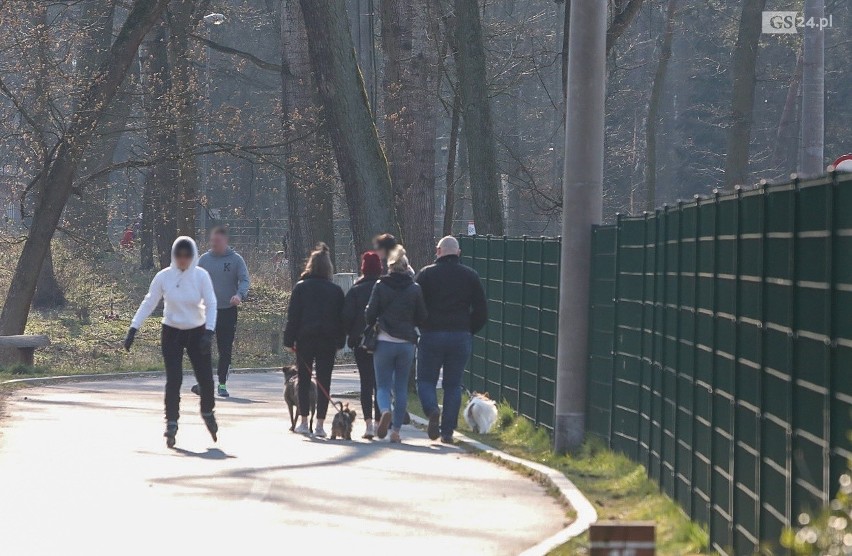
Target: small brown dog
[[341, 425], [291, 395]]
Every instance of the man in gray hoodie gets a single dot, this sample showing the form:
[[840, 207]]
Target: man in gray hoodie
[[230, 278]]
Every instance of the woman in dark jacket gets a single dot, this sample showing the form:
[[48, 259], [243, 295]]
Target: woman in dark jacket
[[397, 306], [315, 332], [354, 324]]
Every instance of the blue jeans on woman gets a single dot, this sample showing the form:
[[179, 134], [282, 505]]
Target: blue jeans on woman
[[393, 365]]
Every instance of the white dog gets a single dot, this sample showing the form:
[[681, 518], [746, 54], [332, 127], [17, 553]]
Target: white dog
[[481, 413]]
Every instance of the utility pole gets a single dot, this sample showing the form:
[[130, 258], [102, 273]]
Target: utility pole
[[813, 92], [582, 207]]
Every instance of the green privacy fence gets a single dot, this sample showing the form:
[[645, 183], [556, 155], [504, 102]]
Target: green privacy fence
[[721, 352], [720, 348], [514, 357]]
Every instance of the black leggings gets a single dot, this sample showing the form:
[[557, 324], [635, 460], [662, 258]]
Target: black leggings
[[226, 329], [367, 374], [319, 356], [173, 342]]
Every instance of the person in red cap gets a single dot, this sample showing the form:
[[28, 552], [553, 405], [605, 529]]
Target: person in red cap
[[354, 323]]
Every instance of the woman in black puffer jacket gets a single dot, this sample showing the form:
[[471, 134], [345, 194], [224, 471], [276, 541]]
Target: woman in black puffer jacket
[[315, 332], [354, 324], [397, 306]]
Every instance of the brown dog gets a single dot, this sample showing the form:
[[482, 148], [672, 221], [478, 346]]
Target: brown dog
[[291, 395], [341, 425]]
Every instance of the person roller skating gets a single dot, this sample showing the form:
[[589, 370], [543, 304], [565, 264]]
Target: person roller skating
[[189, 319]]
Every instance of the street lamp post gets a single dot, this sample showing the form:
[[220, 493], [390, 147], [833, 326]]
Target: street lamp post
[[210, 19], [582, 207]]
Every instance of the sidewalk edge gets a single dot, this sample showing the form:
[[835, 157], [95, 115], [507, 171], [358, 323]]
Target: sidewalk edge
[[586, 513]]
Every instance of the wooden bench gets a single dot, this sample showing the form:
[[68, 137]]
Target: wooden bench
[[25, 346]]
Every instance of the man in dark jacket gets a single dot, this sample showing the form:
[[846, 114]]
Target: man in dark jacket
[[456, 307]]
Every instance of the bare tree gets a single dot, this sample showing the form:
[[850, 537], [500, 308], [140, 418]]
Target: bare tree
[[60, 170], [478, 124], [310, 171], [360, 159], [813, 93], [742, 92], [654, 107], [161, 185], [409, 99]]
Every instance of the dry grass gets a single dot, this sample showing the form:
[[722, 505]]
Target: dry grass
[[103, 292]]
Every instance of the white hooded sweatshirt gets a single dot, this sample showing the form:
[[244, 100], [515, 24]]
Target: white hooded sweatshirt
[[188, 297]]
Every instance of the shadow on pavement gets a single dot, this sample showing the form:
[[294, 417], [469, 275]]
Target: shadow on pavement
[[211, 453], [236, 400]]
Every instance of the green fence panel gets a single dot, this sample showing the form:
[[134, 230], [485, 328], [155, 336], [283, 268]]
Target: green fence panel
[[514, 356], [732, 317], [719, 348]]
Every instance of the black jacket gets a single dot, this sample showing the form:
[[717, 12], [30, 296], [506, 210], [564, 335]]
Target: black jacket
[[315, 313], [454, 297], [397, 305], [353, 308]]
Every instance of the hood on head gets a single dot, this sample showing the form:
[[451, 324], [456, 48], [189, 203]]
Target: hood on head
[[194, 250], [397, 280]]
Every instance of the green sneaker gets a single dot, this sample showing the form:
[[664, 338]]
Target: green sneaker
[[223, 392]]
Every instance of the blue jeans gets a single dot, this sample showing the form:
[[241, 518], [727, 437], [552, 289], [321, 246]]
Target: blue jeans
[[393, 365], [450, 351]]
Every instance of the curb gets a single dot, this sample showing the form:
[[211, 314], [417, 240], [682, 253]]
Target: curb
[[586, 513], [140, 374], [127, 374]]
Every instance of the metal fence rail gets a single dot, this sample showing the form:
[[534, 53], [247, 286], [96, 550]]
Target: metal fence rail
[[721, 352], [514, 357]]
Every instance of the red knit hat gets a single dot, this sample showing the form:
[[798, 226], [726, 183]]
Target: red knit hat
[[371, 264]]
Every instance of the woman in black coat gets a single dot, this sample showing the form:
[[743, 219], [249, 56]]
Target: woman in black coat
[[354, 323], [315, 332]]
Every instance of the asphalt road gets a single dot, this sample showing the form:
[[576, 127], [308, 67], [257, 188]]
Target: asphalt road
[[84, 470]]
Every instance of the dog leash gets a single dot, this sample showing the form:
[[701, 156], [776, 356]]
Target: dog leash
[[337, 405]]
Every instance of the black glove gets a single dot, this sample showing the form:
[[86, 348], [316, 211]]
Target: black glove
[[205, 344], [128, 340]]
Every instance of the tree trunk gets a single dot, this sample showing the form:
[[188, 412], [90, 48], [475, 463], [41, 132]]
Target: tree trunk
[[361, 161], [450, 198], [362, 16], [48, 292], [478, 125], [184, 92], [409, 79], [88, 214], [813, 93], [310, 172], [462, 189], [146, 227], [654, 108], [60, 172], [787, 137], [742, 92], [162, 142]]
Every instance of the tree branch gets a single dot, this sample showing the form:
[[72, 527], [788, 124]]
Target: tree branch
[[262, 64], [621, 22], [26, 115]]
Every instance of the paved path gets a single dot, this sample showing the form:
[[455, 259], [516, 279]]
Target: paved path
[[84, 470]]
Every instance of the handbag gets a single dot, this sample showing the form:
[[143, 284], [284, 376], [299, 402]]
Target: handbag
[[370, 337]]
